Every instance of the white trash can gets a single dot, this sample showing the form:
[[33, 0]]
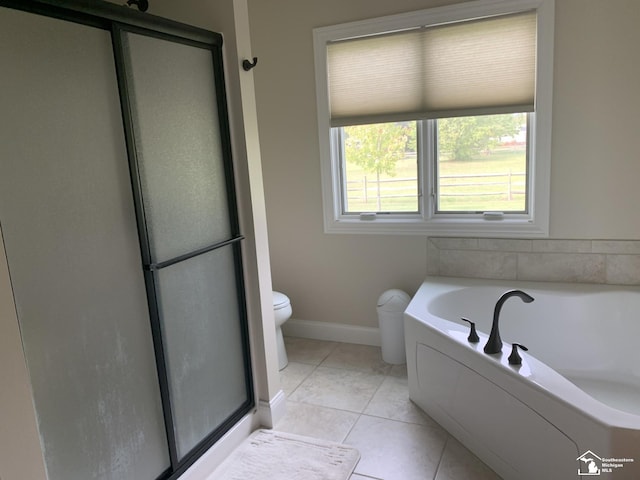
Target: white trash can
[[391, 307]]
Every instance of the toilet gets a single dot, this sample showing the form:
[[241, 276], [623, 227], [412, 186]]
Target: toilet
[[282, 313]]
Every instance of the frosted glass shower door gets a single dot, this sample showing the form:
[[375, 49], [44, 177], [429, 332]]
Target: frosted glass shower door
[[72, 248], [180, 153]]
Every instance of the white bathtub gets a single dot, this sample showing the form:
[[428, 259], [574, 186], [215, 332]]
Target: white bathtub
[[577, 391]]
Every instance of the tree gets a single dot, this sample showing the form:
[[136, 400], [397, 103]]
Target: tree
[[462, 138], [376, 148]]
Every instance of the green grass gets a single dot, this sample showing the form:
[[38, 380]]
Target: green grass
[[499, 161]]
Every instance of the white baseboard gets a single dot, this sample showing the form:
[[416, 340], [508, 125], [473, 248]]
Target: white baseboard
[[335, 332], [271, 412]]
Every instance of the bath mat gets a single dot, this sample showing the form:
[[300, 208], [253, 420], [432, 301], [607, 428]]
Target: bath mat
[[271, 455]]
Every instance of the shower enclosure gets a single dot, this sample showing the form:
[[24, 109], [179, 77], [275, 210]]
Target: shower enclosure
[[120, 226]]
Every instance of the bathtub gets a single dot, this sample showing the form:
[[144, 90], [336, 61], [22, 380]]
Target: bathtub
[[571, 410]]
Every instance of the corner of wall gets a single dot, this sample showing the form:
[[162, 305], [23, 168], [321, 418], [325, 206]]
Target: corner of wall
[[273, 411], [252, 207]]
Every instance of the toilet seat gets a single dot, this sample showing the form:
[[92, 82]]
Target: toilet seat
[[280, 300]]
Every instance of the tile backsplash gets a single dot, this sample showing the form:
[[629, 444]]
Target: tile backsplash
[[615, 262]]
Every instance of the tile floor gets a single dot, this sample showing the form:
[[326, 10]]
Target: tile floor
[[346, 393]]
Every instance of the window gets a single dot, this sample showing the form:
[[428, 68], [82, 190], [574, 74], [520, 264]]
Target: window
[[438, 121]]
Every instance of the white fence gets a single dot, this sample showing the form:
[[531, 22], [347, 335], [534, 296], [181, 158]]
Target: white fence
[[466, 185]]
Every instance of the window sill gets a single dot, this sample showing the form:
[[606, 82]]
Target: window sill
[[477, 227]]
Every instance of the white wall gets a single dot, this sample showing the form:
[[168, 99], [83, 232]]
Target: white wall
[[595, 162]]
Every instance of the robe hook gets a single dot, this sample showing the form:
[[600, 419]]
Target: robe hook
[[247, 65], [142, 5]]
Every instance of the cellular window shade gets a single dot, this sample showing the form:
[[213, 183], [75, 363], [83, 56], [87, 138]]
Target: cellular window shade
[[474, 67]]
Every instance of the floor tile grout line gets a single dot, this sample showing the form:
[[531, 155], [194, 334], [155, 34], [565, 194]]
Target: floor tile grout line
[[359, 414], [335, 346], [367, 476], [351, 429], [444, 448], [315, 367], [373, 395], [382, 417], [388, 372], [328, 408], [349, 370], [356, 418]]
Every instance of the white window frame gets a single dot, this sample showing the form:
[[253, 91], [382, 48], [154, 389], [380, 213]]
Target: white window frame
[[535, 223]]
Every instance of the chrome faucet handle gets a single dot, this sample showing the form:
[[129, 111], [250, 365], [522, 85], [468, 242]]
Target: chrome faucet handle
[[514, 358], [473, 335]]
